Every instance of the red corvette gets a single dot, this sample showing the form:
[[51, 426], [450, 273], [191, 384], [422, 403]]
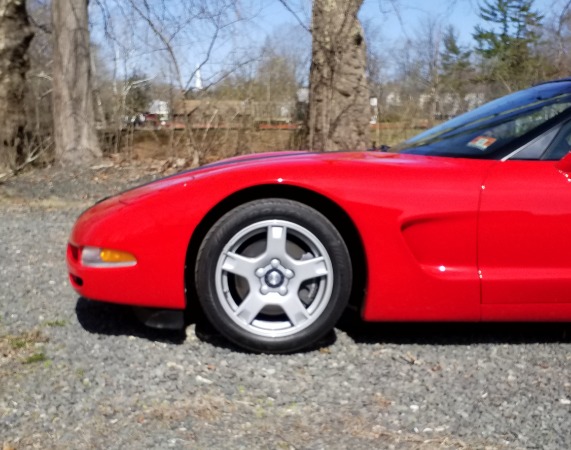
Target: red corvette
[[469, 221]]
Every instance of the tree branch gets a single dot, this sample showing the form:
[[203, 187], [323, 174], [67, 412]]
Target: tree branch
[[290, 9]]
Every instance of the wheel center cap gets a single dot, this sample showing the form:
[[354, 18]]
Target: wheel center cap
[[274, 278]]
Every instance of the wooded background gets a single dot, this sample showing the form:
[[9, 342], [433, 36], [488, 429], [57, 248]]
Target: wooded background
[[170, 79]]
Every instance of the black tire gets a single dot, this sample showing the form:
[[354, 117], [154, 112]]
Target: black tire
[[273, 276]]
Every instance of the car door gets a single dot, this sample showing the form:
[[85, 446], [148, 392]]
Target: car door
[[524, 234]]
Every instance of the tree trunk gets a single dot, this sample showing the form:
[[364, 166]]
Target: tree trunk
[[15, 37], [339, 111], [74, 119]]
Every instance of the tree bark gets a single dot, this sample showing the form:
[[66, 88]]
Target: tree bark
[[74, 119], [339, 110], [15, 37]]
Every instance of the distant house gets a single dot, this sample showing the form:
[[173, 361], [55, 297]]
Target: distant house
[[449, 105], [442, 106], [160, 108], [157, 115], [303, 95], [207, 110]]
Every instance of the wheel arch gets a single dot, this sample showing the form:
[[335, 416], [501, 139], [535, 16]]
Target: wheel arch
[[331, 210]]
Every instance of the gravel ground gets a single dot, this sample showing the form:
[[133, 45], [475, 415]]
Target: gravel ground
[[76, 374]]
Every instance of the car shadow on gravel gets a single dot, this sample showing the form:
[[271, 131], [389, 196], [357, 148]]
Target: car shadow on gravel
[[454, 333], [206, 332], [117, 320]]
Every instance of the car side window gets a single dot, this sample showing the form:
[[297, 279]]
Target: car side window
[[561, 145]]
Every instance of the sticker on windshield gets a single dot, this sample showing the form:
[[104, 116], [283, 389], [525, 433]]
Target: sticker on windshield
[[482, 142]]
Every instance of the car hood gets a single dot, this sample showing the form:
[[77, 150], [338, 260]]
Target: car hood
[[287, 161], [274, 159]]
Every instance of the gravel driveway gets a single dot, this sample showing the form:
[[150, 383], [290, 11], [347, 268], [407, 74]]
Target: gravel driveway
[[76, 374]]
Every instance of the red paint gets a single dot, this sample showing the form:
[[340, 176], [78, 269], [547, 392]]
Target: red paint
[[525, 219], [419, 219]]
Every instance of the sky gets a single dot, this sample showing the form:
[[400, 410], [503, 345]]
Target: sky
[[391, 22], [396, 19]]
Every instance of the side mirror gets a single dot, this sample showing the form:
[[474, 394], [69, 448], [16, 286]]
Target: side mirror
[[564, 164]]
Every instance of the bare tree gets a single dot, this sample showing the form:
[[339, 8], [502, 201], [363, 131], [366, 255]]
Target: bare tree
[[419, 64], [177, 42], [39, 77], [557, 40], [15, 37], [74, 120], [339, 111]]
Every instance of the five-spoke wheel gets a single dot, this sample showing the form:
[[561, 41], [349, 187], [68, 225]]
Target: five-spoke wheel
[[273, 275]]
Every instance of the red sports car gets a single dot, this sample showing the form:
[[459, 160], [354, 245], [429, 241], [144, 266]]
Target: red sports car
[[469, 221]]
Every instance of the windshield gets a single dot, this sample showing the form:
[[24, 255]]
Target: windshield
[[488, 131]]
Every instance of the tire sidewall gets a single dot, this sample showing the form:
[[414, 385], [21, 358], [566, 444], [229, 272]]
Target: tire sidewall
[[273, 209]]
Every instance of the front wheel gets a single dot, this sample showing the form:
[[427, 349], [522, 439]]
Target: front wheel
[[273, 275]]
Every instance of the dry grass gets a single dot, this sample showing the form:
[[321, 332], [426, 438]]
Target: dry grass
[[24, 348], [165, 144], [48, 204]]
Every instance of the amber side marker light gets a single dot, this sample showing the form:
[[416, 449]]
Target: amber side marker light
[[106, 257]]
